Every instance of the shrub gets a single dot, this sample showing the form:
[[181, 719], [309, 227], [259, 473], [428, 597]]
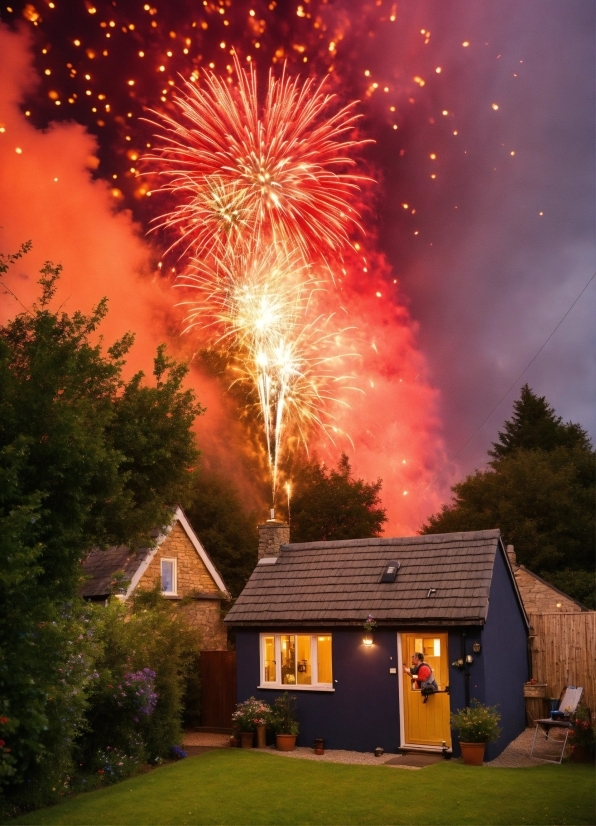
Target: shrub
[[147, 651], [114, 764], [476, 724], [250, 714], [283, 715], [583, 734]]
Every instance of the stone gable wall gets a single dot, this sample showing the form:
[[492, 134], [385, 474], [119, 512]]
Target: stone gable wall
[[540, 598], [192, 578]]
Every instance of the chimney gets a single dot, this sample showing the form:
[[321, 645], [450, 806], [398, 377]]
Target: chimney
[[511, 555], [272, 534]]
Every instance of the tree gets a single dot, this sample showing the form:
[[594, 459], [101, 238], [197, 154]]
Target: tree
[[539, 490], [535, 426], [86, 459], [331, 504], [226, 529]]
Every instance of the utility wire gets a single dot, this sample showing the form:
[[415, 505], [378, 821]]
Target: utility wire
[[502, 399]]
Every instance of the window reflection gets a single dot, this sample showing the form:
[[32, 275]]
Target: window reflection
[[288, 659], [269, 659], [324, 659], [304, 665]]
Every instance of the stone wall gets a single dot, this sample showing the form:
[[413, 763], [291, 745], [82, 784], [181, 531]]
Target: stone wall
[[193, 576], [537, 595], [205, 616], [193, 580]]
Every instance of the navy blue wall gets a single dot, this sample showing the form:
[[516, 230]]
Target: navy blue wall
[[505, 656], [363, 711], [457, 677]]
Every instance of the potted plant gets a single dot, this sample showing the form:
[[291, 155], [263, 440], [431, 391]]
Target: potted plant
[[476, 726], [249, 717], [285, 723]]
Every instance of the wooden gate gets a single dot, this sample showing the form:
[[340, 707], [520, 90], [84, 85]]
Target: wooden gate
[[218, 688]]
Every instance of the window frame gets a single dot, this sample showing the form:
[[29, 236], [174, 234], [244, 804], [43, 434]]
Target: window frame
[[174, 561], [278, 685]]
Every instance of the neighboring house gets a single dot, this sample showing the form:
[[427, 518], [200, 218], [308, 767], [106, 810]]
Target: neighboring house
[[182, 568], [538, 595], [299, 627]]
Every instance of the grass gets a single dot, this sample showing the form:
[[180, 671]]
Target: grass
[[240, 787]]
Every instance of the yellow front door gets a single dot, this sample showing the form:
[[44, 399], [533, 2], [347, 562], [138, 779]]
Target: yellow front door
[[426, 724]]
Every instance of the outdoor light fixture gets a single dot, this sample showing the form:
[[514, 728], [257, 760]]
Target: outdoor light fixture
[[469, 658], [477, 648], [367, 641]]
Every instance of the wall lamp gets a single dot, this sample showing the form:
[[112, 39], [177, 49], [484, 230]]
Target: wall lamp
[[368, 640]]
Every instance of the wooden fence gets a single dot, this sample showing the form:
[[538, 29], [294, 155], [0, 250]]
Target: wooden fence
[[563, 649]]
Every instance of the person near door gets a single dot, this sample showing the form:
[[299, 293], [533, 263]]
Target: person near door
[[419, 671]]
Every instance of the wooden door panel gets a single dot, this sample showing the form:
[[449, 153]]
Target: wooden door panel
[[427, 724]]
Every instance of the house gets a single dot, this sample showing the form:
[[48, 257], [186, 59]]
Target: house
[[299, 627], [179, 564], [538, 595]]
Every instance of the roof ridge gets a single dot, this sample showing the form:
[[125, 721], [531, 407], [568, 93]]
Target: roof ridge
[[420, 539]]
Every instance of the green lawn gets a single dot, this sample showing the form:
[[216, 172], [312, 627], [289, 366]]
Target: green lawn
[[241, 787]]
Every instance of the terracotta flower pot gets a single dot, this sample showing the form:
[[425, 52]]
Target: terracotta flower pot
[[247, 738], [261, 731], [285, 742], [319, 746], [473, 753]]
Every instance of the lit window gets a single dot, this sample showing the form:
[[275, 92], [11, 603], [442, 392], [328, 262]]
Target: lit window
[[302, 661], [168, 576]]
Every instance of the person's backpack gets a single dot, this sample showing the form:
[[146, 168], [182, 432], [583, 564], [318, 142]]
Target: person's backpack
[[428, 686]]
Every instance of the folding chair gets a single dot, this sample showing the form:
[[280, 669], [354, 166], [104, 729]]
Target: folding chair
[[567, 706]]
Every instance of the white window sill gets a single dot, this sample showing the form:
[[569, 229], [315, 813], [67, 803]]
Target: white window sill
[[276, 687]]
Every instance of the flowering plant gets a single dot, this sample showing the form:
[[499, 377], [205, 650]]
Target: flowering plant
[[250, 714], [370, 623], [136, 692], [476, 724], [177, 753], [113, 764], [583, 733]]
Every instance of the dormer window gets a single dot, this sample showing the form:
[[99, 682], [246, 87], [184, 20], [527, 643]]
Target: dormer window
[[169, 584]]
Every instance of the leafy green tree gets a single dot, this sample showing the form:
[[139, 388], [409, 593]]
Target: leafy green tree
[[539, 490], [86, 459], [227, 531], [331, 504]]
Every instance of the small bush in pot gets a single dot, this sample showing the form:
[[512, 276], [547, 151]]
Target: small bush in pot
[[285, 722], [248, 716], [476, 726]]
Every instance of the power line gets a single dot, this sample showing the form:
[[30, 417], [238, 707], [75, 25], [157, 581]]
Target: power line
[[502, 399]]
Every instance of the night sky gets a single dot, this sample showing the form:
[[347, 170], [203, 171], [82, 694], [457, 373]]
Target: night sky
[[479, 233]]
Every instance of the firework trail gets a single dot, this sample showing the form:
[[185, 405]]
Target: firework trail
[[262, 196]]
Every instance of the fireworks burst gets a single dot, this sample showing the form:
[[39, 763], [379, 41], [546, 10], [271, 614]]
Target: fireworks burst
[[278, 170], [261, 198]]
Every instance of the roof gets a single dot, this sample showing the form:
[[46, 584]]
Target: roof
[[338, 583], [101, 565]]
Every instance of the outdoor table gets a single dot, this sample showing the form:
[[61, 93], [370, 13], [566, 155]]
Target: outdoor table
[[545, 726]]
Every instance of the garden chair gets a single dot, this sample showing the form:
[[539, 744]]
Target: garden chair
[[567, 706]]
